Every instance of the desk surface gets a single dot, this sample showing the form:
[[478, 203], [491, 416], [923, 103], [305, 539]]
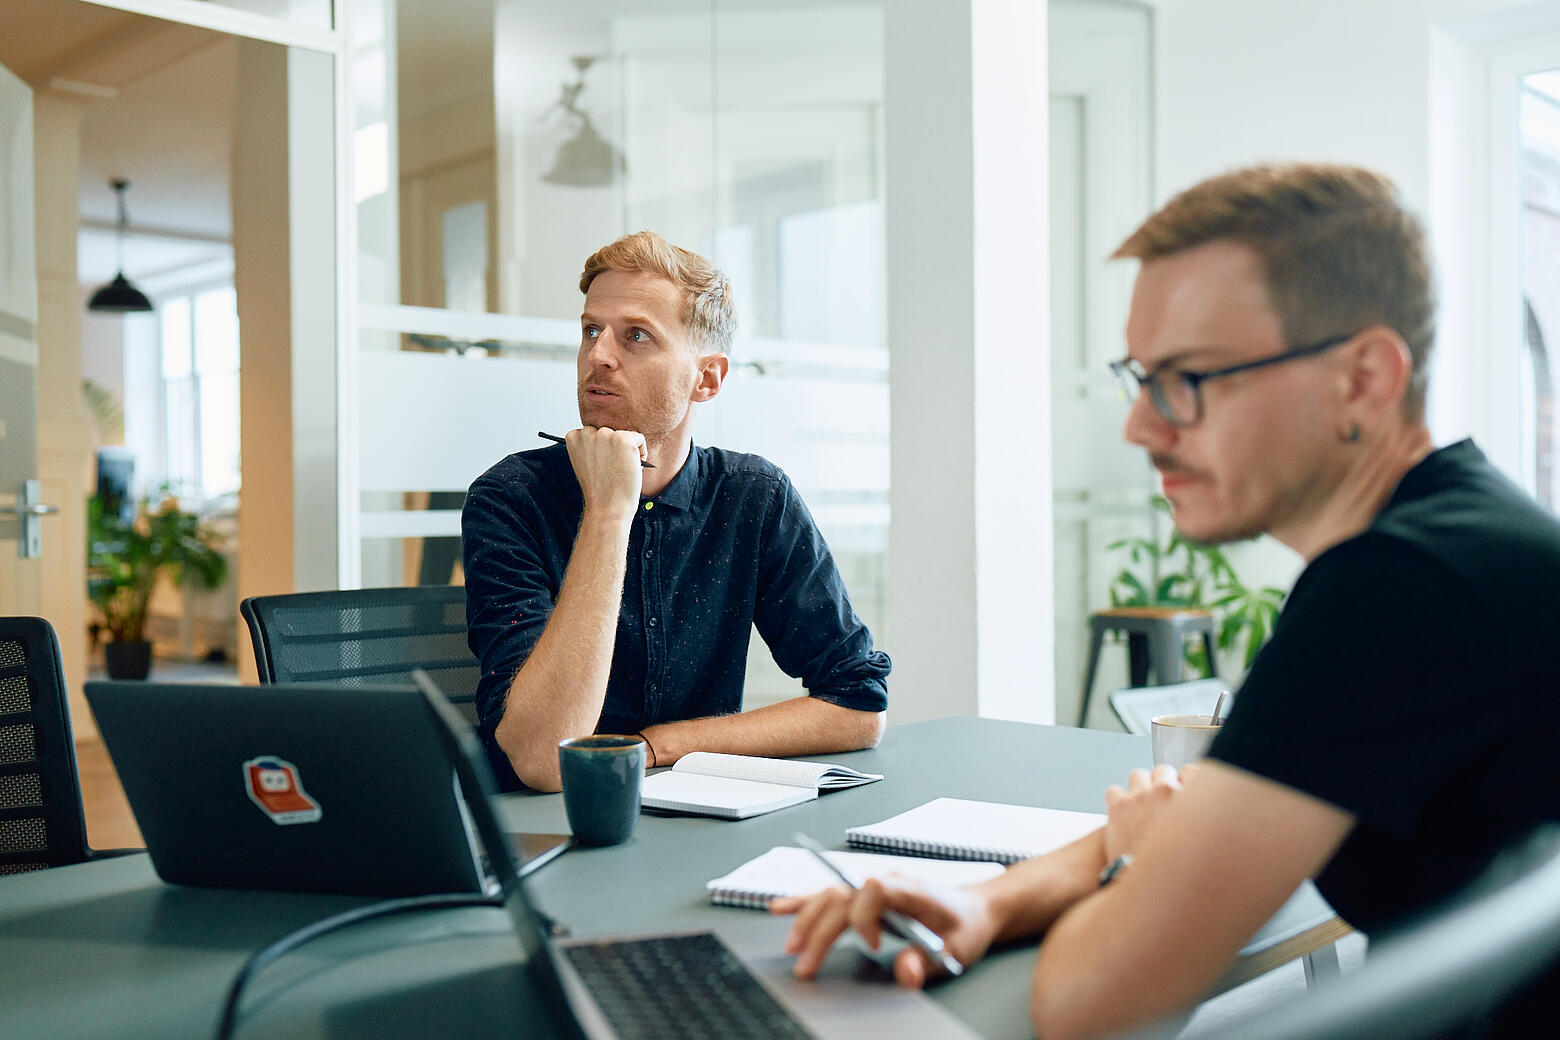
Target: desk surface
[[105, 949]]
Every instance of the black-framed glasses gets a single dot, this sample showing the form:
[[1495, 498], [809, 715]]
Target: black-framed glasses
[[1177, 393]]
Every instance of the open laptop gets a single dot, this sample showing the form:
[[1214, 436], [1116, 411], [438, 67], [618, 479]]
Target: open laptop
[[290, 786], [393, 738]]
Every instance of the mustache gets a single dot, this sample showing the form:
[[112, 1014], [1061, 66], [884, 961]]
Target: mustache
[[1169, 465]]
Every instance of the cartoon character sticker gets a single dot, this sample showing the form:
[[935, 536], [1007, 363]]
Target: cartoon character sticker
[[273, 784]]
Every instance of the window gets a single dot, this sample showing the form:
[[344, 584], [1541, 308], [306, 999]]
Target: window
[[199, 348], [1540, 128]]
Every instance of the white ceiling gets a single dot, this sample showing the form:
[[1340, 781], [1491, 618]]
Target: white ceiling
[[158, 111]]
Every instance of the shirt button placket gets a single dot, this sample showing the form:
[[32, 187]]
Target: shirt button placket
[[650, 588]]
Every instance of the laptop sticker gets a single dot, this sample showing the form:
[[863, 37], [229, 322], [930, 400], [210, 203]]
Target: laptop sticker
[[273, 785]]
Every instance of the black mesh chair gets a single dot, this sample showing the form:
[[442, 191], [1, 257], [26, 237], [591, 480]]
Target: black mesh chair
[[41, 823], [361, 637], [1478, 959]]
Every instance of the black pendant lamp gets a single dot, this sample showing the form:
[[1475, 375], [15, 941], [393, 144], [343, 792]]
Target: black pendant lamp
[[119, 296]]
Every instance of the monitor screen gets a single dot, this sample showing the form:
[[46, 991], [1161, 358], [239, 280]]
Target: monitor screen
[[115, 469]]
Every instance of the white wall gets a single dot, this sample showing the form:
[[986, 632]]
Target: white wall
[[1387, 84]]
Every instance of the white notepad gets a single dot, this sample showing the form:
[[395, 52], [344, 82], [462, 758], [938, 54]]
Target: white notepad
[[735, 787], [953, 828], [789, 871]]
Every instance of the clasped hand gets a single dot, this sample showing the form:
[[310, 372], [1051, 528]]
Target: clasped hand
[[606, 463]]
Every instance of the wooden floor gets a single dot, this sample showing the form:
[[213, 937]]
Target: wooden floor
[[110, 824]]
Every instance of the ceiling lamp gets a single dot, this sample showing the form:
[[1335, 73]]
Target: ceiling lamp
[[119, 296], [586, 160]]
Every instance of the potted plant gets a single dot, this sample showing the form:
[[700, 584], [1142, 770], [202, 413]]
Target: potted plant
[[1180, 573], [125, 558]]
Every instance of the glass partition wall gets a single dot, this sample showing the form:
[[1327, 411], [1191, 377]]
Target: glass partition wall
[[497, 143]]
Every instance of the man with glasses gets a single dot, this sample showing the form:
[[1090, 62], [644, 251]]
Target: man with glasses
[[1391, 737]]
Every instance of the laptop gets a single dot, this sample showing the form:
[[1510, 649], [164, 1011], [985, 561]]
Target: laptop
[[287, 787], [732, 982]]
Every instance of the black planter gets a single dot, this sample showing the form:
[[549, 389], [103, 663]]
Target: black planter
[[128, 660]]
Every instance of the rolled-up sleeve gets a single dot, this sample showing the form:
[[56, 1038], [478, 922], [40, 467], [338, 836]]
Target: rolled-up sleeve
[[804, 614], [509, 592]]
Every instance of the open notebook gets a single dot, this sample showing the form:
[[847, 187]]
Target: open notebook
[[953, 828], [735, 787], [786, 870]]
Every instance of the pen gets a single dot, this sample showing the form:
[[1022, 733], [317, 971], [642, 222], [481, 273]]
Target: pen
[[559, 440], [907, 928]]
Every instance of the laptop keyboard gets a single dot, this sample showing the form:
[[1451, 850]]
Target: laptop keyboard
[[679, 986]]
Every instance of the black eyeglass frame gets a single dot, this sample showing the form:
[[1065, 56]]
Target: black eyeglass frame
[[1144, 379]]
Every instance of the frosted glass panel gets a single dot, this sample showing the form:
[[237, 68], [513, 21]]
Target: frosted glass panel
[[453, 417]]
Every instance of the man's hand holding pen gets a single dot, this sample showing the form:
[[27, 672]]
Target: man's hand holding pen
[[961, 916]]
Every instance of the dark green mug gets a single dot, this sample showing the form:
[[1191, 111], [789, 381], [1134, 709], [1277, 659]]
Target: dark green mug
[[601, 777]]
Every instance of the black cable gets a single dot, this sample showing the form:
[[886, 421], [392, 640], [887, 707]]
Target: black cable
[[264, 958]]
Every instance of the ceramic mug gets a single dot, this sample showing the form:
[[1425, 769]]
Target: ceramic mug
[[601, 777]]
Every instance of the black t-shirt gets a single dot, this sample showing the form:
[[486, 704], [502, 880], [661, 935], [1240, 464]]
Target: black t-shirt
[[1410, 681]]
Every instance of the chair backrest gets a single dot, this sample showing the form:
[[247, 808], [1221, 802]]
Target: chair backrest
[[367, 637], [41, 823], [1137, 705], [1444, 975]]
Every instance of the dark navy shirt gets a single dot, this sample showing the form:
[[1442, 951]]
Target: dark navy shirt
[[728, 545]]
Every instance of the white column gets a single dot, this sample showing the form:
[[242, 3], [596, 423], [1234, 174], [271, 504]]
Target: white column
[[284, 272], [970, 568], [64, 431]]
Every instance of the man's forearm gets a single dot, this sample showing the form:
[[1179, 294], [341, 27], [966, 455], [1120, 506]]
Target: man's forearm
[[1028, 897], [799, 726], [559, 691]]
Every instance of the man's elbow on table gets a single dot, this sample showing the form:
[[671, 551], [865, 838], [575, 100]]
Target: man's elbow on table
[[537, 767], [869, 727]]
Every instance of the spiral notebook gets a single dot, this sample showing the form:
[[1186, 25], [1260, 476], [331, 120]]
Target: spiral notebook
[[786, 870], [954, 828]]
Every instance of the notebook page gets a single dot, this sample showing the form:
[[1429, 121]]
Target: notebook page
[[718, 796], [956, 828], [772, 770], [789, 871]]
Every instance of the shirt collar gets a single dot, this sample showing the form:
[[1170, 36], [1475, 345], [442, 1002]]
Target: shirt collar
[[679, 493]]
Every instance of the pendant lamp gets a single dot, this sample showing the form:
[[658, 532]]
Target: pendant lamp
[[119, 296], [586, 160]]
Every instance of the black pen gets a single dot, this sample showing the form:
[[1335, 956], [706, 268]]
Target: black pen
[[894, 922], [559, 440]]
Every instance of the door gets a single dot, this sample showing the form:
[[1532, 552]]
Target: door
[[23, 523]]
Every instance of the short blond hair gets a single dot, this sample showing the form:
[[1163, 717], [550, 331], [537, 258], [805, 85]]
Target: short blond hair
[[1338, 249], [708, 313]]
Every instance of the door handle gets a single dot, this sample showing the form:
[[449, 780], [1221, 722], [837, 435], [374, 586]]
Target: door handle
[[29, 512]]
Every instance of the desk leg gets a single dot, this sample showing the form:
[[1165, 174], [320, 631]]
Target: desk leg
[[1321, 968]]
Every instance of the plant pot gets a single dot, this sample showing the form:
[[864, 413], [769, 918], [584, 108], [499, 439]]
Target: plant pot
[[130, 660]]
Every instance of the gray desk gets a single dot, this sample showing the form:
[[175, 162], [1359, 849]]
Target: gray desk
[[105, 949]]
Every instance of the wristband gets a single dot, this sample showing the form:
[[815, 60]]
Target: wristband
[[648, 745], [1114, 868]]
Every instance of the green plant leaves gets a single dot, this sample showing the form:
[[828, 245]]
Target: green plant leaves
[[1181, 573], [124, 561]]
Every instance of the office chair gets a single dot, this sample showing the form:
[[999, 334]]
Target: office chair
[[41, 821], [358, 637], [1444, 975]]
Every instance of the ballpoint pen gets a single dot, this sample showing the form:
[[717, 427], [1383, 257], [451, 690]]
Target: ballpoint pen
[[896, 923], [559, 440]]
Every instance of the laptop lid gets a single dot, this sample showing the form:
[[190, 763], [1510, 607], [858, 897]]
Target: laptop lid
[[292, 787]]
